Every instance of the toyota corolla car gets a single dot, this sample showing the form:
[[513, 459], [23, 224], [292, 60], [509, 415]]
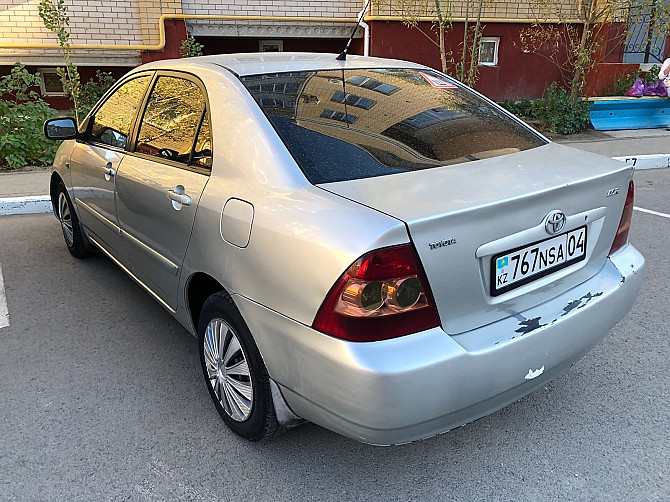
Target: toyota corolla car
[[365, 244]]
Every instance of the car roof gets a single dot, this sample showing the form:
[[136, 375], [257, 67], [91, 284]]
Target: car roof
[[278, 62]]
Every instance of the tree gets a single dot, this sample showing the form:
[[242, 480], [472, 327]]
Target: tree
[[440, 14], [576, 35], [55, 18]]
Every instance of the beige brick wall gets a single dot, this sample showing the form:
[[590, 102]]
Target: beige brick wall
[[492, 9], [119, 22], [312, 8]]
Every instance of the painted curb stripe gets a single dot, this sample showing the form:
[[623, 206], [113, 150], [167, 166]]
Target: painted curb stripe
[[658, 161], [25, 205]]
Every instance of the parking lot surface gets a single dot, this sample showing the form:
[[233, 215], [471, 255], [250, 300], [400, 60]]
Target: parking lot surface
[[101, 397]]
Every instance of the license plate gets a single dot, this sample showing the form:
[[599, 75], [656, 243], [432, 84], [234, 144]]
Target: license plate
[[520, 266]]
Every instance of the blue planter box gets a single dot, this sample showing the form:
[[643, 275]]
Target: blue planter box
[[611, 114]]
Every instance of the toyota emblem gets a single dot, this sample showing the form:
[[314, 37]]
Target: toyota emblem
[[554, 222]]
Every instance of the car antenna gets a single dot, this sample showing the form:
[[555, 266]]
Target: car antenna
[[343, 54]]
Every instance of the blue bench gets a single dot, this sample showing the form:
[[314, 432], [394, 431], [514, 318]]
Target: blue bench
[[615, 113]]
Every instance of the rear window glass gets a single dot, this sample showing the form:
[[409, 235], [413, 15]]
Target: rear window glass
[[349, 124]]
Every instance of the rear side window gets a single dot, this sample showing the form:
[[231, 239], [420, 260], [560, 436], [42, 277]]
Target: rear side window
[[348, 124], [170, 123], [113, 120]]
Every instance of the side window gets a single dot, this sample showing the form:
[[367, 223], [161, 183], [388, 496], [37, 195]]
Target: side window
[[112, 122], [202, 156], [171, 119]]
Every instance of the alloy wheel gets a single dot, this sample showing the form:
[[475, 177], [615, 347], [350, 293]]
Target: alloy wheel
[[65, 217], [228, 370]]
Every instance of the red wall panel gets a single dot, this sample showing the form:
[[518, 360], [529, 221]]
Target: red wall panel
[[516, 75]]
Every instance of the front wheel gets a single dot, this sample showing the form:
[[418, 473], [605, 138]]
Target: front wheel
[[236, 377], [72, 232]]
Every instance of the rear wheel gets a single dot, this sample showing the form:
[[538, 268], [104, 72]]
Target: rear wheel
[[74, 237], [236, 377]]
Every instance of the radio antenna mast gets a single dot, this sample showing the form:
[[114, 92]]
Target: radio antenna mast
[[343, 54]]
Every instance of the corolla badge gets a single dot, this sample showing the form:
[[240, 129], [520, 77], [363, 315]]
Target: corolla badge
[[554, 222]]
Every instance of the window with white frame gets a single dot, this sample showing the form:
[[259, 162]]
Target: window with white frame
[[488, 51], [51, 84], [271, 45]]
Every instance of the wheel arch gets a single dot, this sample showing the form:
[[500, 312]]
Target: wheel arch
[[53, 188], [199, 287]]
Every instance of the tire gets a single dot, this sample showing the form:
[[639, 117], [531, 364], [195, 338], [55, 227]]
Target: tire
[[242, 398], [72, 232]]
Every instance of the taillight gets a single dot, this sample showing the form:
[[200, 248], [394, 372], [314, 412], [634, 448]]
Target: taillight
[[624, 225], [384, 294]]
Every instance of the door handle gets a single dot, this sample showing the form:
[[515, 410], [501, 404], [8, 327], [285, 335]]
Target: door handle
[[109, 171], [179, 198]]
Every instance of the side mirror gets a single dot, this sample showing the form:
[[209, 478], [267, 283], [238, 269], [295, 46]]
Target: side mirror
[[60, 128]]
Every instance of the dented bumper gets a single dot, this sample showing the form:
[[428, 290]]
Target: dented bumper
[[413, 387]]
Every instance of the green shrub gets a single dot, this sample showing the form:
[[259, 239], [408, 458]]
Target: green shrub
[[558, 113], [190, 48], [22, 115], [620, 85], [520, 108], [652, 75]]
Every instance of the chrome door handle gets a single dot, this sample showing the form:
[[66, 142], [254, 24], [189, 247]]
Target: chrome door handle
[[180, 198], [109, 171]]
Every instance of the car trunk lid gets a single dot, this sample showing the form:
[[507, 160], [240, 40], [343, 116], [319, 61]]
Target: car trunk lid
[[462, 216]]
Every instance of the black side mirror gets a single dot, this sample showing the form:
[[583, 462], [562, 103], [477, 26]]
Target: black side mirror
[[61, 128]]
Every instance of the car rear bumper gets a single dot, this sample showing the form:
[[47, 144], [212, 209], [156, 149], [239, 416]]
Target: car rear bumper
[[417, 386]]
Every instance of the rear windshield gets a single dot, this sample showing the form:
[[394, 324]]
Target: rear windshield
[[349, 124]]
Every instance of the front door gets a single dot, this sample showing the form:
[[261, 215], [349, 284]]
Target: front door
[[95, 162], [159, 184]]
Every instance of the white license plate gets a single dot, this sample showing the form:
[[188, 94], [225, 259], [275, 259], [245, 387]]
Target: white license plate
[[520, 266]]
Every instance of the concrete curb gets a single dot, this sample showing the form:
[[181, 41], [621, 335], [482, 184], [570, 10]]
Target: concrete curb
[[35, 204], [659, 161], [38, 204]]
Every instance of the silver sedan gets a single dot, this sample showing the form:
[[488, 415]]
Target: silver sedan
[[366, 244]]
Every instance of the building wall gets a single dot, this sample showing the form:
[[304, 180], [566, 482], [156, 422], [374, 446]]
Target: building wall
[[516, 75], [136, 22], [129, 22], [314, 8], [491, 9]]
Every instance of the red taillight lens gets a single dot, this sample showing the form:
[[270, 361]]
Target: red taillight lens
[[384, 294], [624, 225]]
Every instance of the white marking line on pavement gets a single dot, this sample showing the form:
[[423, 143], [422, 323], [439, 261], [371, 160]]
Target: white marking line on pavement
[[649, 211], [4, 313]]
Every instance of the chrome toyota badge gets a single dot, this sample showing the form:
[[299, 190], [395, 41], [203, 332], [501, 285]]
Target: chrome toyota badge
[[554, 222]]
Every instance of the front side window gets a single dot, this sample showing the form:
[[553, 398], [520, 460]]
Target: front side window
[[112, 122], [171, 119], [348, 124]]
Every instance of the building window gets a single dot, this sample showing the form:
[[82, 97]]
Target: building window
[[342, 117], [271, 45], [488, 51], [372, 84], [51, 84], [352, 99]]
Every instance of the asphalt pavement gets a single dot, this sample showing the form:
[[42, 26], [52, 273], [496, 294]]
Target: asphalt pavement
[[102, 398]]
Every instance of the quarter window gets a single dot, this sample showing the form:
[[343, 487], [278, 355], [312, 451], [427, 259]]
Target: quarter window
[[171, 119], [113, 120]]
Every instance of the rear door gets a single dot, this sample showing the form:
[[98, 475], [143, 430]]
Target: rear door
[[95, 161], [159, 184]]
